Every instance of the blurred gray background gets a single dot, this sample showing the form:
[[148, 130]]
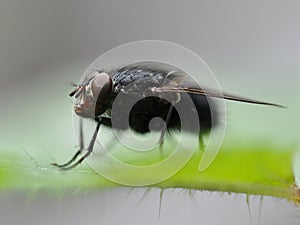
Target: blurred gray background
[[252, 46]]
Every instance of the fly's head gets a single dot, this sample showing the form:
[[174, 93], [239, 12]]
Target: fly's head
[[91, 96]]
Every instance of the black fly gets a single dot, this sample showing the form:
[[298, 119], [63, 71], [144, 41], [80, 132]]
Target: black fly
[[95, 96]]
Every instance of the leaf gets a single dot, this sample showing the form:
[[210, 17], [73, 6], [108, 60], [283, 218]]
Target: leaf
[[254, 171]]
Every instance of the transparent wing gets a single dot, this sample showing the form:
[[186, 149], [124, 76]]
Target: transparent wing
[[209, 93]]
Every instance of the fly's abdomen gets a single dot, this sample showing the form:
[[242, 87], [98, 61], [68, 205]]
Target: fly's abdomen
[[144, 111]]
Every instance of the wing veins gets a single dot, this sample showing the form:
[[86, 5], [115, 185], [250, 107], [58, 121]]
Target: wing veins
[[210, 93]]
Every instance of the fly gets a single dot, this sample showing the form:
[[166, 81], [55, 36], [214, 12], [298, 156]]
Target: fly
[[95, 96]]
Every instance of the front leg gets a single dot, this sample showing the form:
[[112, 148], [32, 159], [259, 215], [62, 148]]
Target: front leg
[[102, 120], [89, 150], [78, 152]]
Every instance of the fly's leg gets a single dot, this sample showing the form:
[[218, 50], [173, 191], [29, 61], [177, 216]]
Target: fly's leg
[[78, 152], [102, 120], [163, 132], [89, 150], [113, 141]]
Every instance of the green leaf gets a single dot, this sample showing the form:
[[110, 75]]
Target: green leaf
[[254, 171]]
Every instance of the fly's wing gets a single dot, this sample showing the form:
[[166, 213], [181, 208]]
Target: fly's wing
[[210, 93], [178, 82]]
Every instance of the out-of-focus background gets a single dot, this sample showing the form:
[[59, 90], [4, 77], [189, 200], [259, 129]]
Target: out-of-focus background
[[252, 46]]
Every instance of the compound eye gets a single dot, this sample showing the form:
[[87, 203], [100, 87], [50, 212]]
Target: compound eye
[[101, 87]]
